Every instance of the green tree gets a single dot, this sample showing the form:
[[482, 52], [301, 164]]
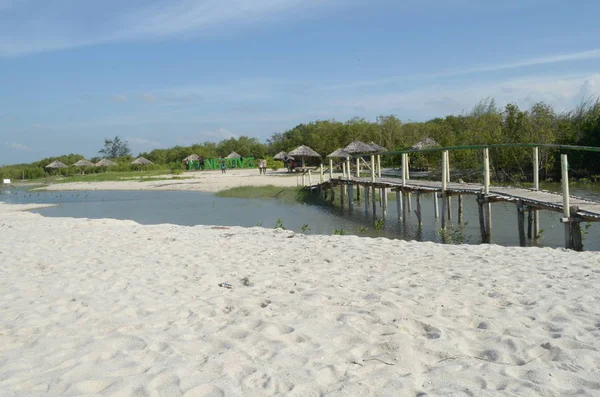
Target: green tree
[[115, 148]]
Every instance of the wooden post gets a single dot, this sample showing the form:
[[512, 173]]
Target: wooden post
[[564, 166], [399, 203], [419, 209], [309, 178], [404, 207], [460, 209], [374, 203], [330, 168], [577, 240], [536, 224], [436, 208], [366, 199], [407, 166], [303, 178], [444, 202], [384, 203], [536, 186], [358, 167], [342, 194], [447, 167], [488, 219], [449, 208], [529, 222], [521, 223], [444, 188], [482, 228], [351, 196], [348, 168], [404, 169], [321, 175], [486, 171], [379, 165], [373, 170]]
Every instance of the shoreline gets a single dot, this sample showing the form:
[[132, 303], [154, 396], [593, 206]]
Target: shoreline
[[109, 307]]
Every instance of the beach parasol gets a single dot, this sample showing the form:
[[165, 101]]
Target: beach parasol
[[358, 147], [339, 153], [233, 155], [281, 156], [105, 163], [83, 163], [377, 147], [56, 165], [141, 161], [424, 144], [303, 152]]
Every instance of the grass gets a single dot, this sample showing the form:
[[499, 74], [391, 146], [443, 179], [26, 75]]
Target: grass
[[269, 192], [111, 176]]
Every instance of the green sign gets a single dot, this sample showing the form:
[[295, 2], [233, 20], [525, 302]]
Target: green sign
[[215, 164]]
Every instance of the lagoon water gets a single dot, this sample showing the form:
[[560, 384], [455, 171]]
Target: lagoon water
[[197, 208]]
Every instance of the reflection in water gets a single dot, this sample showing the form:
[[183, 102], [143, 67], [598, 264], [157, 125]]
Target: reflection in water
[[196, 208]]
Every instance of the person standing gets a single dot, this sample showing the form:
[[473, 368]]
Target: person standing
[[223, 167]]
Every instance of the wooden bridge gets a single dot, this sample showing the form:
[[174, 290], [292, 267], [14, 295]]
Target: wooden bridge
[[574, 209]]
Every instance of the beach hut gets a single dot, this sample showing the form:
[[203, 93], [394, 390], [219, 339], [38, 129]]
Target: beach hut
[[83, 163], [338, 153], [377, 147], [425, 144], [302, 152], [192, 157], [56, 165], [358, 147], [141, 161], [281, 156], [105, 163], [233, 155]]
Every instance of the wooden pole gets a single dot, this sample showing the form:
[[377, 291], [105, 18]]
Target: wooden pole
[[419, 209], [342, 194], [379, 166], [309, 178], [521, 223], [407, 166], [443, 196], [358, 167], [330, 168], [460, 209], [366, 199], [404, 207], [436, 208], [529, 222], [384, 202], [444, 188], [536, 186], [373, 170], [447, 167], [486, 171], [536, 224], [482, 229], [404, 169], [449, 208], [488, 219], [576, 231], [564, 166], [374, 202], [321, 175], [348, 168], [303, 178], [399, 203], [351, 196]]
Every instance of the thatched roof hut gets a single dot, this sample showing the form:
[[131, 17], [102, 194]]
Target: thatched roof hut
[[83, 163], [302, 152], [281, 156], [339, 153], [377, 147], [56, 165], [358, 147], [192, 157], [141, 161], [425, 144], [233, 155], [105, 163]]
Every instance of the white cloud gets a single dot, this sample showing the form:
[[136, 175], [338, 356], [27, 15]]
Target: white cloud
[[16, 146], [220, 133], [26, 29], [142, 142], [563, 93], [119, 98]]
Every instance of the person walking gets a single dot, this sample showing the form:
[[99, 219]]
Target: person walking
[[223, 167]]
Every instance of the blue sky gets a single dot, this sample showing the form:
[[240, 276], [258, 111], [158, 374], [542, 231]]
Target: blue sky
[[174, 72]]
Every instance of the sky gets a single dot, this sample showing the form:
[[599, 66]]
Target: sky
[[161, 73]]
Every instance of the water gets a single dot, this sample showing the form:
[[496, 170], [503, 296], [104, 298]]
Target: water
[[196, 208]]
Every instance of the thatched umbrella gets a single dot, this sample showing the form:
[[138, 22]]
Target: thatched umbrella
[[425, 144], [233, 155], [358, 147], [339, 153], [56, 165], [303, 152], [377, 147], [105, 163], [83, 163], [192, 157], [281, 156], [141, 161]]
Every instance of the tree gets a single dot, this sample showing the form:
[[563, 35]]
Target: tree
[[115, 148]]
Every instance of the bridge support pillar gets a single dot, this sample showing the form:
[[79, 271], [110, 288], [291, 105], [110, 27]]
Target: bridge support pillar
[[373, 190], [399, 203], [460, 209], [366, 199], [436, 207], [419, 220], [521, 223]]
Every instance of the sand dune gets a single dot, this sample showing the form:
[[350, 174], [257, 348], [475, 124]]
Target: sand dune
[[113, 308]]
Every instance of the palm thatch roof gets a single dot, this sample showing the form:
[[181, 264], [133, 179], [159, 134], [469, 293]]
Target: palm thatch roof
[[233, 155], [192, 157], [304, 151], [424, 144], [105, 163], [281, 156], [57, 164], [377, 147], [358, 147], [83, 163], [339, 153], [141, 161]]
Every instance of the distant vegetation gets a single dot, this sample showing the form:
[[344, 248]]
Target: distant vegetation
[[484, 124]]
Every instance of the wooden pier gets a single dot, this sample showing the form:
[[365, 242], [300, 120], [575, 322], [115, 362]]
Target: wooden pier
[[528, 202]]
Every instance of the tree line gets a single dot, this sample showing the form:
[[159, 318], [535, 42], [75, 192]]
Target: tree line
[[486, 123]]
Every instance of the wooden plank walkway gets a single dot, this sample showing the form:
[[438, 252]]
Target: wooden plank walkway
[[588, 210]]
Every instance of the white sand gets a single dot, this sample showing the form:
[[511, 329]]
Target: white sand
[[204, 181], [113, 308]]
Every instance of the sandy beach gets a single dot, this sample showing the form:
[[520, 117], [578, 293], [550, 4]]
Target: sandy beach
[[113, 308], [203, 181]]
